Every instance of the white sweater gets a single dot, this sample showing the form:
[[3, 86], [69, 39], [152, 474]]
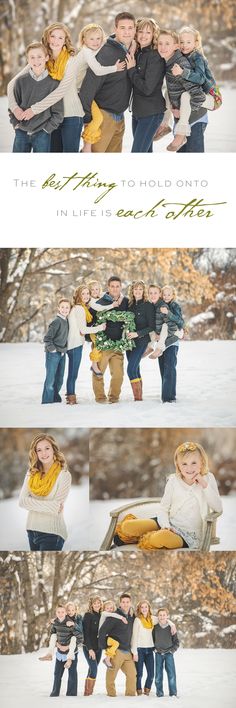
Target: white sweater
[[186, 506], [141, 636], [69, 86], [44, 514], [78, 327]]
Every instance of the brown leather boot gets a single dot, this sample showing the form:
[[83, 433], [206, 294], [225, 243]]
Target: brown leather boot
[[137, 389], [139, 692], [71, 399], [89, 686], [146, 691]]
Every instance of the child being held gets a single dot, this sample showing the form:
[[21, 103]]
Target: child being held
[[109, 608], [55, 347], [74, 621], [165, 644], [169, 320], [64, 630], [34, 134]]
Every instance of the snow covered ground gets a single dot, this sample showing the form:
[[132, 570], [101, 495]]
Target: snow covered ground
[[206, 391], [219, 137], [13, 536], [100, 520], [205, 677]]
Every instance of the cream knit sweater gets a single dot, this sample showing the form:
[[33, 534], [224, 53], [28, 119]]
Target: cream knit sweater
[[69, 86], [78, 327], [186, 506], [44, 514], [141, 636]]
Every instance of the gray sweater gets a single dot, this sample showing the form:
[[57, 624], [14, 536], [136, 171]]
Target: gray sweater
[[27, 91], [57, 335], [163, 640]]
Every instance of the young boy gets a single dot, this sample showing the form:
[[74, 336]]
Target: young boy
[[64, 654], [168, 48], [34, 134], [165, 644], [55, 347], [168, 317]]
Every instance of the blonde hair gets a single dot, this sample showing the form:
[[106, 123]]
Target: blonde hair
[[170, 33], [110, 602], [71, 603], [138, 609], [155, 285], [170, 287], [92, 600], [185, 449], [36, 45], [77, 295], [94, 282], [133, 285], [148, 22], [92, 27], [34, 463], [68, 42], [197, 37]]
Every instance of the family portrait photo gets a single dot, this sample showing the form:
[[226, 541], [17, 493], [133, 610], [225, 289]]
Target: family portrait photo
[[98, 626], [133, 77], [123, 337], [163, 488], [44, 501]]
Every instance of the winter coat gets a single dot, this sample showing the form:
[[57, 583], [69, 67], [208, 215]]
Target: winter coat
[[113, 627], [65, 633], [176, 85], [199, 71], [144, 313], [90, 628], [147, 79], [174, 319]]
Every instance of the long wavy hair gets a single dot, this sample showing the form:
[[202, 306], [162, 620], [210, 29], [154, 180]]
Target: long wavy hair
[[77, 295], [131, 291], [186, 449], [34, 463], [68, 41], [139, 612], [148, 22]]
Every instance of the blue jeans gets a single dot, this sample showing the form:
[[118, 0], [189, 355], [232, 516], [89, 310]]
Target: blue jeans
[[67, 137], [92, 663], [167, 364], [195, 141], [38, 142], [165, 661], [74, 356], [145, 658], [134, 357], [143, 132], [72, 682], [55, 367], [40, 541]]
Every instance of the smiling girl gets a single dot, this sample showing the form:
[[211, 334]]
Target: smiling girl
[[45, 488]]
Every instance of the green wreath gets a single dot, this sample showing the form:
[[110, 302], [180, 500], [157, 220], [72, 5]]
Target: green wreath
[[121, 345]]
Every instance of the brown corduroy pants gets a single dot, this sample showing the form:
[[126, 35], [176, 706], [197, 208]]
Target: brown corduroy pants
[[116, 365], [122, 661], [111, 134]]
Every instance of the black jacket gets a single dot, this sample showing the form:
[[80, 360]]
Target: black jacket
[[144, 313], [115, 628], [147, 79], [111, 92], [114, 329], [65, 633], [90, 626], [163, 640]]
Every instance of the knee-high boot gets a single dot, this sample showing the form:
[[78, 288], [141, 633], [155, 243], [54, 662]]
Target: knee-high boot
[[137, 389], [89, 686]]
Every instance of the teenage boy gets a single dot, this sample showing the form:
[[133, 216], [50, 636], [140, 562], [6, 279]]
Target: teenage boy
[[35, 134], [55, 347], [165, 644], [123, 660]]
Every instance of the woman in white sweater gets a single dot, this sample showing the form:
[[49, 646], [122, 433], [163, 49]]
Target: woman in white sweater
[[188, 496], [142, 644], [45, 488], [69, 67]]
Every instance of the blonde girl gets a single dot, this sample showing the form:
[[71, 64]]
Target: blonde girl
[[142, 644], [109, 610], [189, 494], [69, 67], [45, 489], [169, 321]]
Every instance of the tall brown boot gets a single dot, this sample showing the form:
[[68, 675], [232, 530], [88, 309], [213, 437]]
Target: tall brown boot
[[89, 686], [137, 389], [71, 399]]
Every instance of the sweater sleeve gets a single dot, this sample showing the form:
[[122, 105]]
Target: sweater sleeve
[[31, 503], [153, 75], [93, 63], [53, 328], [12, 104], [211, 494], [100, 308], [81, 323], [135, 633], [61, 90], [165, 505]]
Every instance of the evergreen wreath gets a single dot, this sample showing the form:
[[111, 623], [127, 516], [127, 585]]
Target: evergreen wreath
[[121, 345]]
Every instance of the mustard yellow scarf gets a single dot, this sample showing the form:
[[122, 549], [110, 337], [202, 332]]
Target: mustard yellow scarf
[[41, 485], [88, 315], [56, 67], [147, 623]]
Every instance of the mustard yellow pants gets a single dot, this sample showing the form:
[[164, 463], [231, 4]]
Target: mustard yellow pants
[[150, 536], [112, 646]]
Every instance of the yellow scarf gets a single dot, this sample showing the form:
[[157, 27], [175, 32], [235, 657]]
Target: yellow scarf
[[56, 67], [42, 485], [147, 623], [88, 315]]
